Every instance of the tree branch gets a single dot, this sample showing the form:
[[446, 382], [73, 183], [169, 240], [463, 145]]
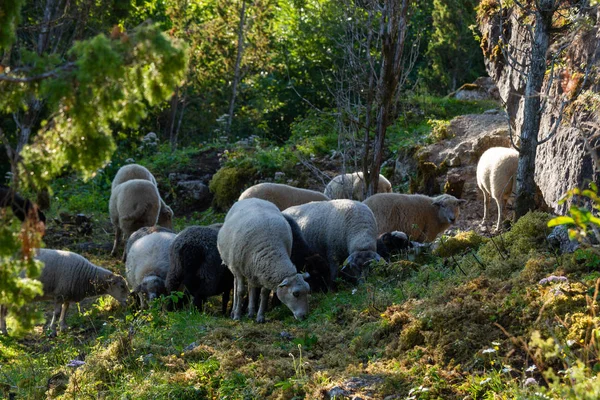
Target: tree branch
[[50, 74]]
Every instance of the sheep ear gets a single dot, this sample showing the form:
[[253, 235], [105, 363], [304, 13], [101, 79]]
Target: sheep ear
[[461, 201], [284, 283], [306, 275]]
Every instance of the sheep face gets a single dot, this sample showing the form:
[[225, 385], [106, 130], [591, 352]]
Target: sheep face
[[293, 292], [353, 268], [151, 286], [117, 288], [448, 208]]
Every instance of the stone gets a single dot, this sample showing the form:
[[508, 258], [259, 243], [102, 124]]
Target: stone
[[337, 393], [559, 239], [195, 190]]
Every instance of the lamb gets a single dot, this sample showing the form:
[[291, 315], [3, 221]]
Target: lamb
[[339, 230], [136, 171], [197, 266], [352, 186], [496, 172], [142, 232], [283, 196], [133, 205], [255, 242], [148, 264], [68, 277], [422, 218]]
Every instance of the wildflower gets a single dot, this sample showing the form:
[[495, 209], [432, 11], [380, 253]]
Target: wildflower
[[571, 342], [531, 369], [553, 278], [354, 291], [507, 368], [496, 343], [530, 382], [75, 363], [486, 380], [489, 350]]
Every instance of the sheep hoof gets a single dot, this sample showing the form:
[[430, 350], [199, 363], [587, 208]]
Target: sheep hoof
[[260, 319]]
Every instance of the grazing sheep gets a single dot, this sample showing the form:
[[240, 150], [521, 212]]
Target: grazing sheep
[[422, 218], [496, 172], [135, 171], [255, 242], [142, 232], [283, 196], [392, 243], [68, 277], [21, 208], [133, 205], [197, 266], [339, 230], [148, 264], [352, 186]]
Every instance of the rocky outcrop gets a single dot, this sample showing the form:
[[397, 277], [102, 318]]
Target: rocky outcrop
[[563, 162]]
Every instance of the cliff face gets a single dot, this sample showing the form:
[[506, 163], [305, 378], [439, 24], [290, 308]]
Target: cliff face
[[563, 162]]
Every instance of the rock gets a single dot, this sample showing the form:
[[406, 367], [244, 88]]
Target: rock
[[337, 393], [190, 346], [562, 163], [176, 177], [196, 190], [483, 88], [279, 176], [559, 239]]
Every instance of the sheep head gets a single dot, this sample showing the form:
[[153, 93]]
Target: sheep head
[[293, 292], [448, 208]]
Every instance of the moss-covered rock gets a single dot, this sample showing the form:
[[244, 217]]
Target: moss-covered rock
[[227, 185], [459, 243]]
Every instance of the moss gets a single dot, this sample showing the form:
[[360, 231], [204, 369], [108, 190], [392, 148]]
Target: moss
[[580, 326], [459, 243], [469, 86], [535, 269], [228, 183], [425, 182], [454, 187]]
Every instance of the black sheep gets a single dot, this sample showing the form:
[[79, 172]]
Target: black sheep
[[391, 243], [21, 207], [197, 266]]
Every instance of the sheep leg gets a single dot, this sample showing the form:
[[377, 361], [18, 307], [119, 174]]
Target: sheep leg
[[118, 234], [55, 314], [264, 300], [499, 203], [252, 301], [486, 205], [63, 313], [238, 292], [3, 313]]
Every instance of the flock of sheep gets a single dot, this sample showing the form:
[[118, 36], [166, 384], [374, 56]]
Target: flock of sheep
[[275, 238]]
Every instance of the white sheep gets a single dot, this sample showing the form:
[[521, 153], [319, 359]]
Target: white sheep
[[136, 171], [342, 231], [133, 205], [422, 218], [255, 242], [68, 277], [352, 186], [147, 266], [283, 196], [496, 178]]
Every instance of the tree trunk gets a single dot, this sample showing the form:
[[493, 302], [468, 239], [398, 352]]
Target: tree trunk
[[391, 70], [526, 186], [173, 119], [238, 61]]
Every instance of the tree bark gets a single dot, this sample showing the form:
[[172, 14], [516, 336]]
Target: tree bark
[[526, 186], [238, 61]]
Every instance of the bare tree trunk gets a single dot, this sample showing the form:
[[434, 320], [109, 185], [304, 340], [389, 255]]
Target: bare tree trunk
[[238, 61], [173, 118], [391, 69], [526, 187]]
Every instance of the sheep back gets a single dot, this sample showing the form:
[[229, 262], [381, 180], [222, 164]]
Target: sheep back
[[132, 171], [422, 218], [352, 186], [133, 205], [145, 231], [283, 196]]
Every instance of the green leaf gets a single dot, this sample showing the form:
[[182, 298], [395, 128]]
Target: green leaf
[[560, 221]]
